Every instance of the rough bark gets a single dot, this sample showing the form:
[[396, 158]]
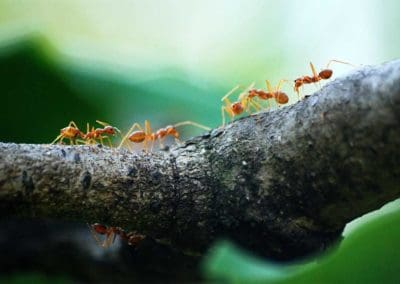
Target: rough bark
[[283, 183]]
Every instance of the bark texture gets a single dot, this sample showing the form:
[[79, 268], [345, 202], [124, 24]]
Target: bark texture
[[283, 183]]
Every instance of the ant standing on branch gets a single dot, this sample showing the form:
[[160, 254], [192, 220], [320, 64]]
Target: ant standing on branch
[[146, 135], [316, 77]]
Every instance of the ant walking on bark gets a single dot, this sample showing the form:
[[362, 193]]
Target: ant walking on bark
[[324, 74], [243, 103], [70, 132], [146, 135], [91, 136], [279, 96]]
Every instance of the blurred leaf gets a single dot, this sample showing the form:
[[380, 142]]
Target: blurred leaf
[[369, 254]]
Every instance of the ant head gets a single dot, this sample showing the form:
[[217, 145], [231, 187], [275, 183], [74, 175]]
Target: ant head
[[109, 130], [172, 131], [99, 228], [237, 108], [252, 93], [325, 74]]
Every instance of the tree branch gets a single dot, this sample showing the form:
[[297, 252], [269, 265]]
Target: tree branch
[[283, 183]]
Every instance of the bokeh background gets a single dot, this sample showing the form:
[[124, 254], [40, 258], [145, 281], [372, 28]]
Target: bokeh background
[[170, 61]]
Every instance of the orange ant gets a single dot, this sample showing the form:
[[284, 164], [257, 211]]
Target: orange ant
[[243, 103], [70, 132], [279, 96], [93, 135], [324, 74], [132, 238], [147, 135]]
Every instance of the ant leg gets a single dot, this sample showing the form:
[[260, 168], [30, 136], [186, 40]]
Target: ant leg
[[278, 87], [255, 105], [189, 122], [147, 130], [152, 145], [73, 124], [223, 110], [102, 123], [145, 145], [80, 141], [298, 94], [57, 138], [135, 125], [225, 97], [109, 141], [94, 235], [315, 74], [269, 88], [160, 143], [109, 239]]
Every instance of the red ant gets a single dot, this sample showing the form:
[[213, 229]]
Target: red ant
[[279, 96], [132, 238], [246, 99], [147, 135], [243, 103], [316, 77], [93, 135], [70, 132]]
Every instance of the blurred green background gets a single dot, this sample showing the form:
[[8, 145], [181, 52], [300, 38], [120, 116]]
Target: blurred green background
[[169, 61]]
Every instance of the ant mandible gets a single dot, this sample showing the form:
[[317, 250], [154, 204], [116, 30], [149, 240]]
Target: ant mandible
[[70, 132], [324, 74], [100, 134], [243, 103], [147, 135]]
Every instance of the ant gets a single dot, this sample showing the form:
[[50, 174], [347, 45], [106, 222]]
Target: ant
[[109, 232], [279, 96], [324, 74], [243, 103], [70, 132], [132, 238], [147, 135], [93, 135]]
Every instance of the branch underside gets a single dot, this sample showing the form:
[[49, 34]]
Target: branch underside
[[283, 183]]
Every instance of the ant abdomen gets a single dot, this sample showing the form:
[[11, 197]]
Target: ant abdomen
[[281, 97], [137, 136], [325, 74]]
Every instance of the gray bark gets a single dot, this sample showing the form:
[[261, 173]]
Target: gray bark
[[283, 183]]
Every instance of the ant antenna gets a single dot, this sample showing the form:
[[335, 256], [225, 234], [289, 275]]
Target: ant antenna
[[189, 122], [230, 93], [338, 61]]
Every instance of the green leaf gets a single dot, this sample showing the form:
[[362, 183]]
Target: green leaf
[[369, 254]]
